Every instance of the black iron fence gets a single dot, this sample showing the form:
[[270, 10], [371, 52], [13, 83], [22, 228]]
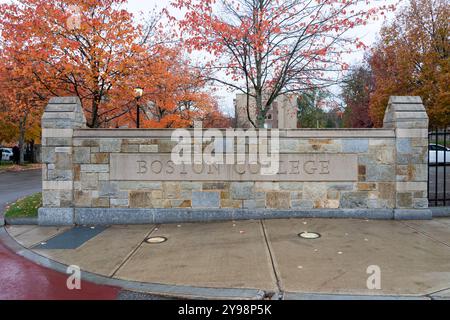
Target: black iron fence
[[439, 168]]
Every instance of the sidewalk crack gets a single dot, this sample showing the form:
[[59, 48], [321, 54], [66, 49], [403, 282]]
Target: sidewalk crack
[[435, 294], [425, 234], [272, 261], [112, 275]]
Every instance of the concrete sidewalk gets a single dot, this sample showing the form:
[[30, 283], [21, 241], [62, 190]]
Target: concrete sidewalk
[[245, 257]]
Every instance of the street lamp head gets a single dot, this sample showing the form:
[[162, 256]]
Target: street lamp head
[[138, 92]]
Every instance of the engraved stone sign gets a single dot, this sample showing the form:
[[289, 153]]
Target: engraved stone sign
[[292, 167]]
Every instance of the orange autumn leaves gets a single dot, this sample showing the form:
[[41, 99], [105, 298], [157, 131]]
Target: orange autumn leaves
[[20, 103], [174, 95], [413, 58], [96, 51]]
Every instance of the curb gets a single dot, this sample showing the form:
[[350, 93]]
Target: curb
[[24, 169], [162, 290], [139, 216], [21, 221], [440, 211], [114, 216]]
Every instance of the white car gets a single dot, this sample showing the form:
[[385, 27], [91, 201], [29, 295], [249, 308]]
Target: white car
[[7, 154], [438, 154]]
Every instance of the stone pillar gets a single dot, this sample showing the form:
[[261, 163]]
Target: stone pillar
[[408, 117], [61, 116]]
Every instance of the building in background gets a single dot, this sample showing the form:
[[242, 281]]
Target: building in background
[[282, 114]]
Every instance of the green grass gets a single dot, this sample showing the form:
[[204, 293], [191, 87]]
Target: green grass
[[26, 207]]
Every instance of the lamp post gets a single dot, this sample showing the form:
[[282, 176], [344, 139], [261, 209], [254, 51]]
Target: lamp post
[[138, 93]]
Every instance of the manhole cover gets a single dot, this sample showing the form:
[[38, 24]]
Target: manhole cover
[[309, 235], [155, 240]]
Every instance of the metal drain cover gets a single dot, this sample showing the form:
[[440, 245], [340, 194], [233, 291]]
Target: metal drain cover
[[309, 235], [156, 240]]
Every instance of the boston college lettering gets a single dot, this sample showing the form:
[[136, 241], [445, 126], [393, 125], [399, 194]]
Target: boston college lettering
[[292, 167], [309, 167]]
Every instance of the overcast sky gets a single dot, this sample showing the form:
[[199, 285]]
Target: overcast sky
[[367, 34]]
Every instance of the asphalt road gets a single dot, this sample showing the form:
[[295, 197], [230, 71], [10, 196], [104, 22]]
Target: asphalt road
[[14, 185], [24, 280]]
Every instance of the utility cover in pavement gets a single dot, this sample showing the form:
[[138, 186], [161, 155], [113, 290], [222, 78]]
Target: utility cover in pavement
[[71, 239]]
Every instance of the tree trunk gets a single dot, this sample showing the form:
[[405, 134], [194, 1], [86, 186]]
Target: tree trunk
[[33, 157], [22, 140], [94, 119], [248, 111], [260, 112]]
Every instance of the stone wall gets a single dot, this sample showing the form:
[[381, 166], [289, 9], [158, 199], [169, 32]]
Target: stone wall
[[407, 116], [385, 174]]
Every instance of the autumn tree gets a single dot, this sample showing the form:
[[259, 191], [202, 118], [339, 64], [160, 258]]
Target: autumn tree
[[412, 58], [21, 101], [86, 48], [357, 87], [310, 109], [174, 93], [97, 51], [267, 48], [317, 109], [8, 130]]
